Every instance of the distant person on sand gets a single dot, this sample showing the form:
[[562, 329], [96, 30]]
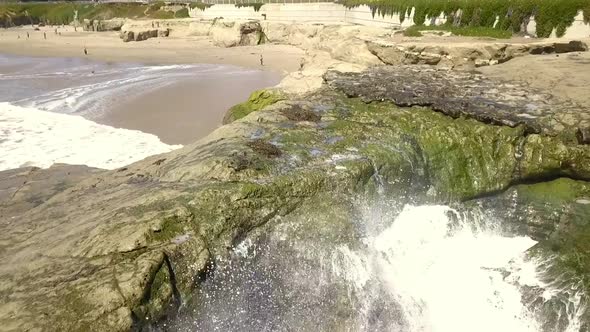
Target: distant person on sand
[[261, 60], [56, 31], [27, 35], [44, 35], [85, 51]]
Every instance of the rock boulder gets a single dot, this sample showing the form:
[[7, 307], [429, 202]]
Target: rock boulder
[[127, 36]]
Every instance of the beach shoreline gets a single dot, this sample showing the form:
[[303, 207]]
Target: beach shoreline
[[200, 102], [107, 46]]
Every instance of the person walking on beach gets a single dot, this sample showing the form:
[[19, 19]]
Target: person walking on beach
[[261, 60], [27, 35], [85, 51], [44, 35]]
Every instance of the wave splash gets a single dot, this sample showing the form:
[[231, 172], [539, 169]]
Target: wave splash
[[31, 137], [425, 269]]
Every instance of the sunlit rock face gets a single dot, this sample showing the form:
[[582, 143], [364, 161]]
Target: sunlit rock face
[[276, 221]]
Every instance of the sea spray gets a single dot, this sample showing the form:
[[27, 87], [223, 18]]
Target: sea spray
[[418, 268]]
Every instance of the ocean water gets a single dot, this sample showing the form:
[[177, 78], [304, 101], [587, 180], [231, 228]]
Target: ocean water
[[51, 109]]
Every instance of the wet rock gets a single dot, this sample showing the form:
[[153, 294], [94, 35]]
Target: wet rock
[[572, 46], [257, 101]]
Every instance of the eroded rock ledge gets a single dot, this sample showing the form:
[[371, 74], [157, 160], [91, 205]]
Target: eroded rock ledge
[[467, 94]]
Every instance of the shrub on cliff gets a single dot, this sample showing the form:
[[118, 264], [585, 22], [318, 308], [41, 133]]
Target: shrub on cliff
[[512, 15]]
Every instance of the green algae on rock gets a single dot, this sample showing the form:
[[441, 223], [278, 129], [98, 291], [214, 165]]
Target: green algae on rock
[[257, 101], [117, 248]]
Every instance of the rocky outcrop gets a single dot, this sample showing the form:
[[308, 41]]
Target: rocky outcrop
[[145, 35], [229, 34], [257, 101], [112, 250], [474, 55], [551, 48], [164, 33], [128, 36], [464, 94], [103, 25]]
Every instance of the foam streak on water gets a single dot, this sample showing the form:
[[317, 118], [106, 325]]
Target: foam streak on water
[[31, 137]]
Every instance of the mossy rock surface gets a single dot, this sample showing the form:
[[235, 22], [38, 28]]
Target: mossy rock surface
[[257, 101], [111, 249]]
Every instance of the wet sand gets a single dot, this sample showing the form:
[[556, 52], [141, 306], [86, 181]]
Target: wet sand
[[185, 112]]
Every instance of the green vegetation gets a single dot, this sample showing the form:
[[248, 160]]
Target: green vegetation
[[414, 31], [14, 14], [200, 5], [511, 14], [182, 13], [257, 101], [256, 6]]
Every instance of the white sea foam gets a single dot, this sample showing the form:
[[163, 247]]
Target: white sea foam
[[448, 277], [446, 274], [31, 137]]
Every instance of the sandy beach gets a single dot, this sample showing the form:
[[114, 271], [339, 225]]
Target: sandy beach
[[178, 112], [107, 46], [185, 112]]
